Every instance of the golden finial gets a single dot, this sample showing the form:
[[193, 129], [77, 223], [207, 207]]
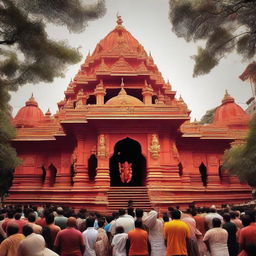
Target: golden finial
[[122, 91], [119, 19]]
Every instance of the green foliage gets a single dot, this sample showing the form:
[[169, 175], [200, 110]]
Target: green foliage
[[27, 54], [223, 25], [208, 116], [240, 159]]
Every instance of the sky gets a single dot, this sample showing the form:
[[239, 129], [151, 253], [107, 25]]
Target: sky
[[148, 22]]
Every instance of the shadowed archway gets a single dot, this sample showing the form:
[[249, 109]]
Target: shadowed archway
[[127, 152]]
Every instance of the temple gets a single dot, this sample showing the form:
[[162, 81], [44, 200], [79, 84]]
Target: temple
[[120, 134]]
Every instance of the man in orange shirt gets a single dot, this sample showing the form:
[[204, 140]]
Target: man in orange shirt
[[138, 241], [176, 232]]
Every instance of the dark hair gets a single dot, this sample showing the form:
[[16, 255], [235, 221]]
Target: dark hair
[[101, 222], [232, 215], [216, 222], [109, 218], [246, 220], [10, 213], [170, 209], [89, 222], [165, 217], [49, 219], [121, 211], [213, 210], [139, 213], [130, 211], [12, 229], [226, 217], [17, 216], [119, 230], [27, 230], [138, 224], [31, 217], [175, 214], [59, 211]]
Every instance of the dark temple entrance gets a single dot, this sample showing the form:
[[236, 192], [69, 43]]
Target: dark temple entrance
[[127, 165]]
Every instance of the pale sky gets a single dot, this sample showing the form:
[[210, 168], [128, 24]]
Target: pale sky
[[147, 21]]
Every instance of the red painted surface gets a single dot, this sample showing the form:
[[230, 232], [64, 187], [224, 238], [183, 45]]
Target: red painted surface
[[119, 93]]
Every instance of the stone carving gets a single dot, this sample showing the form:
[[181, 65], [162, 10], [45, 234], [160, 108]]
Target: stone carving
[[102, 146], [154, 148], [125, 170]]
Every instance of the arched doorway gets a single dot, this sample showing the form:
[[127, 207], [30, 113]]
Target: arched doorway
[[127, 157]]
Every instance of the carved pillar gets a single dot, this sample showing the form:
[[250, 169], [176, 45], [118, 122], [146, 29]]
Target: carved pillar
[[81, 173], [147, 93], [100, 92], [102, 178], [213, 171]]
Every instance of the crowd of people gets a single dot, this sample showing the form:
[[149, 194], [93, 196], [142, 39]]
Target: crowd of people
[[198, 231]]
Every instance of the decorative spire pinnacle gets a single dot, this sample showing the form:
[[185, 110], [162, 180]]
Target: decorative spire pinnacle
[[122, 91], [48, 113], [119, 20], [227, 98], [31, 101]]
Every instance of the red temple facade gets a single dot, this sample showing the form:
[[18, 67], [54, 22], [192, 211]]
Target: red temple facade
[[120, 134]]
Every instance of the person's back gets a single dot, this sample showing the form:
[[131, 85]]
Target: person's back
[[33, 244], [211, 215], [119, 242], [90, 236], [60, 220], [126, 221], [9, 246], [54, 229], [69, 241], [176, 232], [138, 240]]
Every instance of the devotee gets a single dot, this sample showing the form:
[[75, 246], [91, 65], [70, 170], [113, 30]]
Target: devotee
[[70, 241], [124, 220], [156, 234], [231, 229], [60, 220], [235, 219], [211, 215], [31, 222], [33, 244], [216, 239], [138, 242], [247, 235], [176, 232], [102, 244], [119, 242], [90, 236], [54, 229], [9, 214], [194, 233], [9, 246], [18, 221]]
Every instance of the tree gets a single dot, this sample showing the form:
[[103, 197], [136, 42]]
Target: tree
[[208, 116], [223, 25], [240, 159], [27, 55]]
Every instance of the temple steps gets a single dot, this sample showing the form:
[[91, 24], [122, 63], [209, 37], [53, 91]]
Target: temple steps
[[118, 197]]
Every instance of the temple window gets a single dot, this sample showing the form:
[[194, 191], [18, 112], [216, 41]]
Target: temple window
[[91, 100], [204, 175], [180, 167], [154, 99], [92, 167]]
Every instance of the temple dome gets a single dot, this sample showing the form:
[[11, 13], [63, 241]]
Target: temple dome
[[29, 115], [229, 112], [123, 99], [119, 42]]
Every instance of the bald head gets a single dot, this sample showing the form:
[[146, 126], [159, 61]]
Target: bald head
[[71, 222]]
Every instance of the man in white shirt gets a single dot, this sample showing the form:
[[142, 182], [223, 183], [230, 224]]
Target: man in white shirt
[[124, 220], [211, 215], [90, 236]]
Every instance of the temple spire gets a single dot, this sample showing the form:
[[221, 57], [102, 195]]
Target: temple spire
[[122, 91]]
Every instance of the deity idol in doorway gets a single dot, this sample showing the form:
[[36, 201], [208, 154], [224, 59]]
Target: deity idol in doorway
[[125, 172]]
